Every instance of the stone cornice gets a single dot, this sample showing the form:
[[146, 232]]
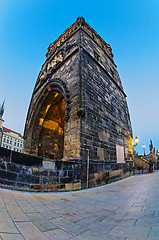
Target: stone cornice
[[80, 24]]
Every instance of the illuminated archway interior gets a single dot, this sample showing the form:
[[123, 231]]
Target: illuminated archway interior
[[52, 125]]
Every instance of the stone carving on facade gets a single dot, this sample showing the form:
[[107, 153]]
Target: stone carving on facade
[[43, 75], [78, 24], [80, 21], [55, 60], [57, 44], [109, 51]]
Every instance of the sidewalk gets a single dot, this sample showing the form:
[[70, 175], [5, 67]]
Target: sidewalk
[[125, 210]]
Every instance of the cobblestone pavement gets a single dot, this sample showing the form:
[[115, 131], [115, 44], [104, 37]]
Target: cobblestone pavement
[[125, 210]]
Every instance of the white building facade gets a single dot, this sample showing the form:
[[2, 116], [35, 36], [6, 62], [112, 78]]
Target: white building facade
[[11, 139]]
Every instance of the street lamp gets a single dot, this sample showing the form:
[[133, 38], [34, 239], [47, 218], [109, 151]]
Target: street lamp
[[143, 148], [136, 141]]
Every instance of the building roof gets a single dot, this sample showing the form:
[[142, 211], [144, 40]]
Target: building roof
[[6, 130]]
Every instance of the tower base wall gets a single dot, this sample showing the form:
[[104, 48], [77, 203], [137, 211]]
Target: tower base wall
[[31, 173]]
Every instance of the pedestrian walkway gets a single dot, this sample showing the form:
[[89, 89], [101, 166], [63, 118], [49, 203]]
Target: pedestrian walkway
[[125, 210]]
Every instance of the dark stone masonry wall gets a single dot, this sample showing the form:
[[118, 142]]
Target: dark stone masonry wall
[[26, 172], [107, 122], [30, 173]]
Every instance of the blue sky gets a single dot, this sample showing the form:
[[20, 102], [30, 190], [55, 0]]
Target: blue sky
[[131, 27]]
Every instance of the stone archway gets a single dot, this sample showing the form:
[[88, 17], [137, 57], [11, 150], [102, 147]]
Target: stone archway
[[45, 125], [51, 124]]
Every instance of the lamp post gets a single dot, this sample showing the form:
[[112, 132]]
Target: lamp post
[[136, 141], [143, 148], [135, 154]]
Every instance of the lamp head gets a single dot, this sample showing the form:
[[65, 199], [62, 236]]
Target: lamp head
[[136, 140]]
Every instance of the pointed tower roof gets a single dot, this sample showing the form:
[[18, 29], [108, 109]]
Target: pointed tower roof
[[2, 110]]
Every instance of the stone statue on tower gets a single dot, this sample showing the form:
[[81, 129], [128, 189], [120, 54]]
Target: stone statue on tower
[[151, 146]]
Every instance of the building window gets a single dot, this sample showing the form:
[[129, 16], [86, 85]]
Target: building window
[[17, 144], [21, 145], [10, 141], [4, 140], [7, 140], [14, 143], [6, 146], [10, 148]]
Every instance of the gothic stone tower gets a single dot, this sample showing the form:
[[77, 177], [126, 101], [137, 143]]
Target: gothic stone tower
[[78, 106]]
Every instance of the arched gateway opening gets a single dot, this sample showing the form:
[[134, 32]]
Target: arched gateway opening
[[52, 125]]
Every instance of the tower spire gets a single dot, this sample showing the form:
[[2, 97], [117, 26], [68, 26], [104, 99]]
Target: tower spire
[[2, 110]]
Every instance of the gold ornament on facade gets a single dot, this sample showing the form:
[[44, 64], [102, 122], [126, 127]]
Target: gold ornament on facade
[[55, 61], [43, 75]]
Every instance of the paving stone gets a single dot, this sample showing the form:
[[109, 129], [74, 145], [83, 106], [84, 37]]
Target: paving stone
[[6, 236], [148, 221], [8, 199], [95, 226], [73, 229], [16, 213], [26, 206], [88, 235], [130, 231], [62, 221], [154, 233], [156, 213], [73, 217], [4, 216], [84, 222], [2, 206], [8, 227], [119, 221], [137, 215], [60, 235], [47, 213], [42, 223], [69, 226], [141, 238], [29, 231]]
